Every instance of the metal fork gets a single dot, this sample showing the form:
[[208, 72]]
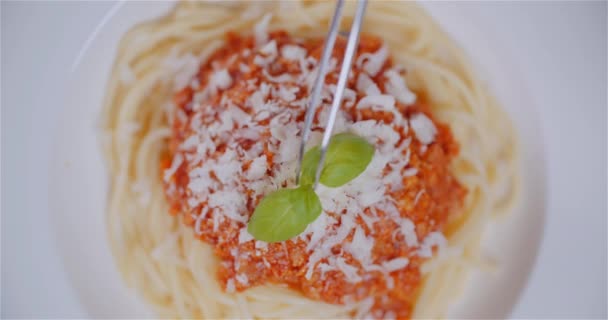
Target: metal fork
[[349, 53]]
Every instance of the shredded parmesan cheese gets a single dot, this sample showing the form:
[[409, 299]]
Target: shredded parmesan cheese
[[423, 127], [367, 85], [395, 264], [293, 52], [433, 239], [257, 169], [372, 63], [349, 271], [245, 236], [230, 286], [361, 247], [397, 88], [380, 102], [270, 49], [261, 30]]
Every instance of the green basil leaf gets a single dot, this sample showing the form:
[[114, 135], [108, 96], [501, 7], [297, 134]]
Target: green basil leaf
[[284, 214], [347, 157], [309, 166]]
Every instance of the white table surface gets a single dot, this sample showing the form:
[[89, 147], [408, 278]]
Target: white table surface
[[560, 47]]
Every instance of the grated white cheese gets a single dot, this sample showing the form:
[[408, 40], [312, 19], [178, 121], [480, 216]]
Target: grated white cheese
[[388, 206], [199, 219], [350, 272], [335, 199], [230, 286], [380, 102], [341, 122], [364, 308], [361, 247], [284, 176], [372, 63], [410, 172], [221, 79], [408, 229], [257, 169], [395, 264], [227, 167], [317, 228], [349, 97], [423, 127], [390, 282], [244, 236], [217, 220], [260, 187], [389, 315], [240, 117], [433, 239], [258, 99], [282, 78], [281, 128], [270, 49], [242, 278], [323, 250], [261, 244], [380, 134], [286, 94], [262, 61], [195, 84], [288, 149], [262, 115], [372, 195], [324, 267], [367, 85], [230, 203], [269, 54], [423, 148], [369, 221], [247, 134], [293, 52], [394, 180], [418, 195], [396, 87], [244, 68], [260, 30]]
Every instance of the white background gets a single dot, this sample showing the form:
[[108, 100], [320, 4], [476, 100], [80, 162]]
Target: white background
[[560, 48]]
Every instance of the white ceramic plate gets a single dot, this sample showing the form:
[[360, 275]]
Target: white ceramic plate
[[79, 222]]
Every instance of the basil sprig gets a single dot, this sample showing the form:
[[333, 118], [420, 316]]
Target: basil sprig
[[285, 213]]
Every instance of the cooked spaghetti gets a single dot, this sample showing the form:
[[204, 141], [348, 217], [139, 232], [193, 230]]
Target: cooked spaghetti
[[204, 112]]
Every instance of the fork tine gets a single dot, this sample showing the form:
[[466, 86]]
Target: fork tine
[[319, 81], [351, 49]]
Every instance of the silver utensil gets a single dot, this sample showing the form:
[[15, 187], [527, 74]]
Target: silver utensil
[[349, 53]]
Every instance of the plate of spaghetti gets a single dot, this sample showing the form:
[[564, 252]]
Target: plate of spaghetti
[[424, 209]]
